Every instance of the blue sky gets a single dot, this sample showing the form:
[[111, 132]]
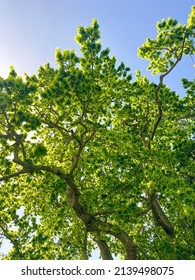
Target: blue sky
[[30, 31]]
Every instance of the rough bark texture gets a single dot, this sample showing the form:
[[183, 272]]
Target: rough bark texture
[[130, 248], [160, 217], [104, 250]]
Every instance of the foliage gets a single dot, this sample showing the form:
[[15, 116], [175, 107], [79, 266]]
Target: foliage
[[91, 158]]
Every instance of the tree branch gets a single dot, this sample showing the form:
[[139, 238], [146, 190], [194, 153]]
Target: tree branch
[[158, 101], [160, 217], [5, 136], [94, 225], [130, 248], [16, 174], [14, 241], [186, 116], [104, 249]]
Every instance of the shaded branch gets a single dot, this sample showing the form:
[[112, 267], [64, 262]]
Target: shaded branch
[[29, 168], [93, 225], [104, 249], [160, 217], [84, 247], [16, 174], [130, 248], [188, 116], [5, 136]]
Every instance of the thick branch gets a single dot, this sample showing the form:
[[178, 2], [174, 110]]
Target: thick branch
[[30, 168], [84, 247], [94, 225], [130, 248], [160, 217], [104, 250]]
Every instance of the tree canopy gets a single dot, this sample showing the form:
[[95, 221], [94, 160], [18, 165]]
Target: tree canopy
[[90, 158]]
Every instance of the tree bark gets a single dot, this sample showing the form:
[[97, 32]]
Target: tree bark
[[104, 250], [160, 217], [130, 248], [93, 225]]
